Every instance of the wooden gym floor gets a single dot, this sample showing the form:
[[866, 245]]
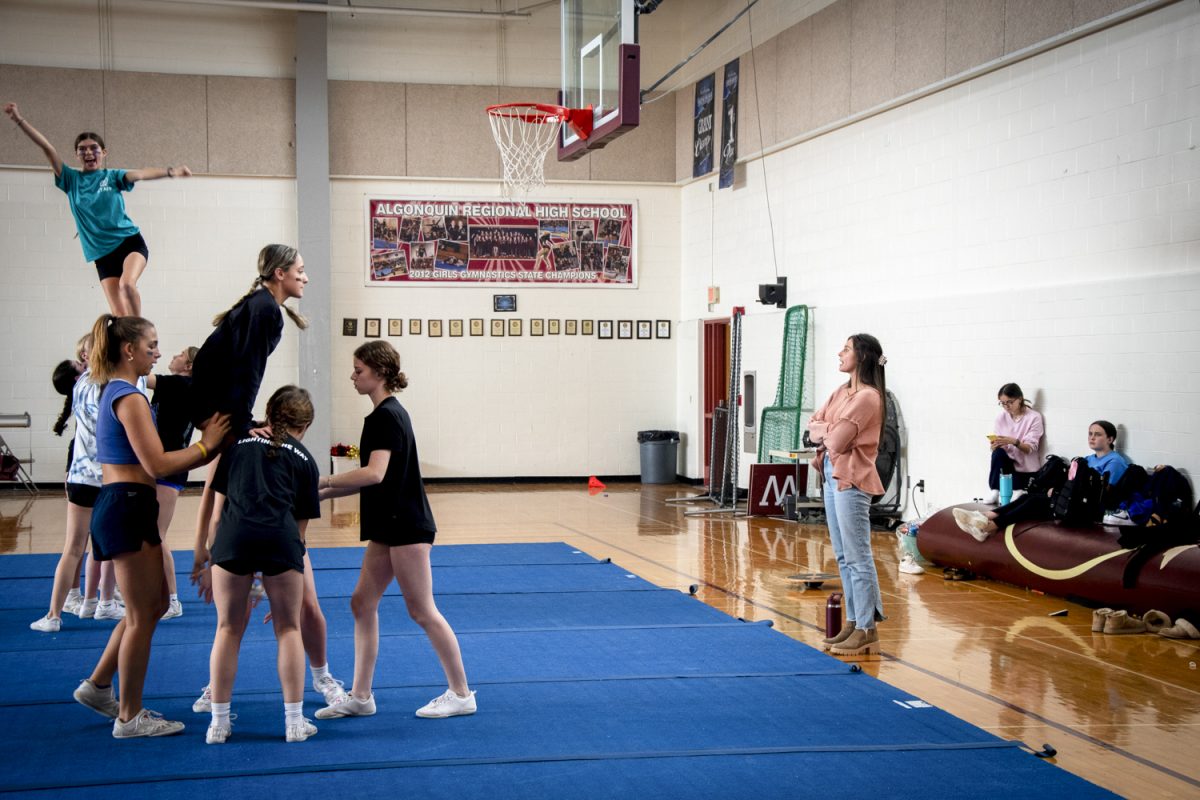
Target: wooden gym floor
[[1122, 711]]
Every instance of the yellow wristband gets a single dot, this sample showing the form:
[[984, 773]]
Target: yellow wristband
[[203, 449]]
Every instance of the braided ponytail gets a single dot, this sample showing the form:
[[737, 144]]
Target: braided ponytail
[[289, 409]]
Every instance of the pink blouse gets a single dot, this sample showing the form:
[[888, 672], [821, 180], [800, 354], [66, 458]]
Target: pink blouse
[[852, 439]]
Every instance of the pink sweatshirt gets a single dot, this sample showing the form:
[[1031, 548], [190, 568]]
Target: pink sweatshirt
[[1026, 429], [852, 440]]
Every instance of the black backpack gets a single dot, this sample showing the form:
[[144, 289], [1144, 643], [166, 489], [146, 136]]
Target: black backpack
[[1049, 477], [1080, 499], [1131, 485], [1171, 494]]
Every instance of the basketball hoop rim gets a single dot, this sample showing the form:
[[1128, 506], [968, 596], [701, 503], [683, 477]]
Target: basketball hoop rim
[[579, 119]]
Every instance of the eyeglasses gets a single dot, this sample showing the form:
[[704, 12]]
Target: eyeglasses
[[1007, 403], [83, 151]]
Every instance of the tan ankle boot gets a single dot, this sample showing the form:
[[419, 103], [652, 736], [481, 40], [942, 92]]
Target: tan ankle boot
[[843, 635], [864, 641]]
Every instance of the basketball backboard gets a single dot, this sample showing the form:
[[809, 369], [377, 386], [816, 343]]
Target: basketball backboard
[[600, 68]]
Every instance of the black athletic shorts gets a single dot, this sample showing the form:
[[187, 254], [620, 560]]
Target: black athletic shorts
[[397, 538], [82, 494], [125, 515], [112, 265], [249, 566]]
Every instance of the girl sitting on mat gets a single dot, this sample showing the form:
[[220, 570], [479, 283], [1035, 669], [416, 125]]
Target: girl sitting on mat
[[106, 232], [1015, 439], [848, 429], [266, 492], [1037, 504], [398, 527], [125, 517]]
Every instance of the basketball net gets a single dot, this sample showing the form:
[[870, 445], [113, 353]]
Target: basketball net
[[525, 132]]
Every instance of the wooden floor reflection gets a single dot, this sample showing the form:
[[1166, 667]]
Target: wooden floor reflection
[[1122, 711]]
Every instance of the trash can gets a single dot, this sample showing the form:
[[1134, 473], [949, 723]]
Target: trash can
[[659, 451]]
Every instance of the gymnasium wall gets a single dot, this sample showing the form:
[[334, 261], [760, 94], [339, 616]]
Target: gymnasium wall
[[552, 405], [1038, 224]]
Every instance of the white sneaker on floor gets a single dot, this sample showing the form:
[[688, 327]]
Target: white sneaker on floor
[[87, 609], [992, 497], [448, 705], [73, 602], [47, 624], [110, 609], [203, 704], [175, 609], [298, 733], [909, 566], [1120, 517], [1017, 493], [146, 723], [332, 689], [349, 706], [102, 701]]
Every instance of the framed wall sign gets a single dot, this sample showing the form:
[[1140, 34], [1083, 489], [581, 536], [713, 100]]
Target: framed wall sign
[[477, 327], [395, 327], [371, 327], [604, 329]]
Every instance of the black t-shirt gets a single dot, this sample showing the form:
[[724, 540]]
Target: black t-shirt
[[229, 367], [266, 490], [397, 503]]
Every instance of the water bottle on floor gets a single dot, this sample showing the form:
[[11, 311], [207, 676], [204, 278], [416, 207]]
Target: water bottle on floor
[[1005, 489]]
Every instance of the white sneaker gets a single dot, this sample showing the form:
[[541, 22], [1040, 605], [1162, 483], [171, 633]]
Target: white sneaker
[[87, 608], [175, 609], [972, 522], [298, 733], [1017, 493], [219, 734], [1119, 517], [448, 705], [73, 602], [47, 624], [909, 566], [992, 497], [203, 704], [99, 700], [146, 723], [348, 706], [110, 609], [333, 690]]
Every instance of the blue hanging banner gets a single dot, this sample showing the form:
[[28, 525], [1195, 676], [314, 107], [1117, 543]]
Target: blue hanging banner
[[729, 125], [702, 147]]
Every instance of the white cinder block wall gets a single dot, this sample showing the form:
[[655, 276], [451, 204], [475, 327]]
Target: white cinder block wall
[[1040, 224]]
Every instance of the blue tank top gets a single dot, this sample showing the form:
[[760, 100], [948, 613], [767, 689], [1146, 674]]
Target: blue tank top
[[112, 442]]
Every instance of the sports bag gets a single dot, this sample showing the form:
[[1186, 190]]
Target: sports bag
[[1080, 499]]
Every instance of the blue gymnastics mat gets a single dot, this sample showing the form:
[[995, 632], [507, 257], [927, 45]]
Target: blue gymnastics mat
[[584, 690]]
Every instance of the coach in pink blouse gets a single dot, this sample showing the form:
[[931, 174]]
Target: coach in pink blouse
[[847, 429]]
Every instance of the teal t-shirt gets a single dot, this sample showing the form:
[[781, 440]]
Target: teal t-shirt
[[98, 208]]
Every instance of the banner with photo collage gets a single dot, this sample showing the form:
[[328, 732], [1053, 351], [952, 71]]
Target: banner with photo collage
[[416, 241]]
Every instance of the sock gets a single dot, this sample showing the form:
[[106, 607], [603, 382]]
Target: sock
[[174, 598], [220, 714], [319, 672], [73, 593], [293, 713]]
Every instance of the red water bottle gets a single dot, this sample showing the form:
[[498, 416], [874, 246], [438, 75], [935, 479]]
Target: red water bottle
[[833, 615]]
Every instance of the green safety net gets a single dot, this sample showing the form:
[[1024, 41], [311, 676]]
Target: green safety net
[[779, 427]]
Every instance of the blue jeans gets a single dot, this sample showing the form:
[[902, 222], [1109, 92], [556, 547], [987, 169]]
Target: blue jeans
[[848, 514]]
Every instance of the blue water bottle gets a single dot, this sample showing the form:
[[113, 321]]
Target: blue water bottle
[[1005, 489]]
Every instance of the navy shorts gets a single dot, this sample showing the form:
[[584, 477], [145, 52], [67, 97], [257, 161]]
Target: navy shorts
[[112, 265], [82, 494], [125, 516]]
